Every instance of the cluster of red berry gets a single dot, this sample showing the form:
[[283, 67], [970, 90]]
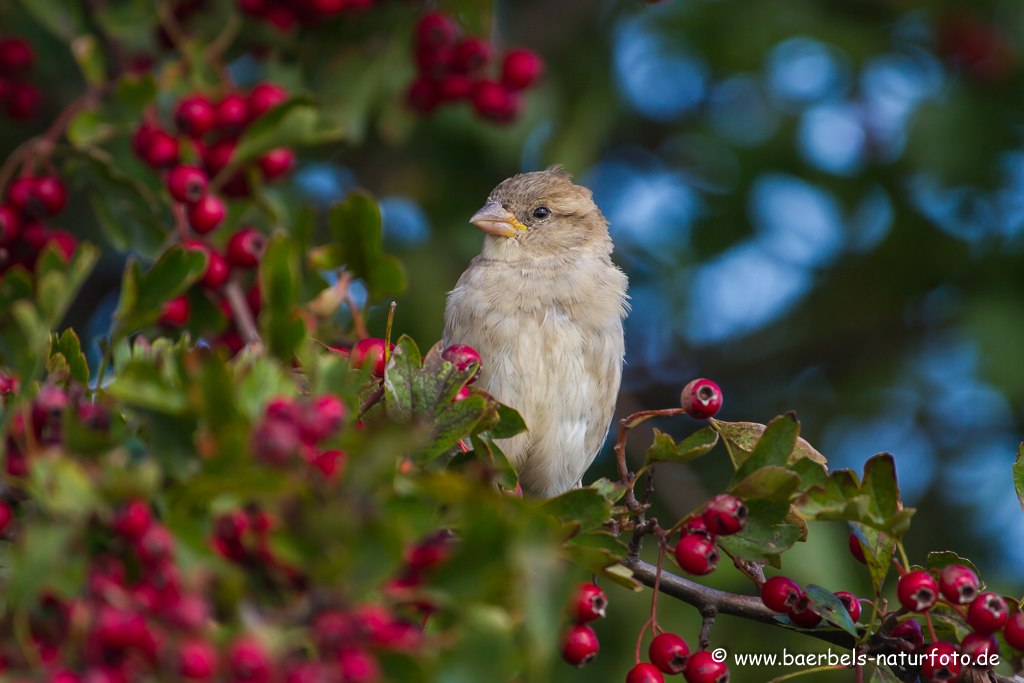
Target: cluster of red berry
[[723, 515], [784, 595], [284, 16], [579, 642], [451, 69], [19, 98], [293, 430], [23, 235], [421, 560]]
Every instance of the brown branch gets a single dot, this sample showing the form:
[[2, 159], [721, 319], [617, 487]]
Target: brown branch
[[707, 621], [243, 316], [374, 399], [625, 476]]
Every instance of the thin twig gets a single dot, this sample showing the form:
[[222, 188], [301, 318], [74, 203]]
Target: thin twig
[[243, 316], [357, 317], [625, 424], [707, 622], [374, 399]]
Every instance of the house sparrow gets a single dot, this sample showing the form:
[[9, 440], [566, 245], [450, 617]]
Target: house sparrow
[[543, 304]]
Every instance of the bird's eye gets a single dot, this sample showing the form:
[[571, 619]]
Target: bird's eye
[[541, 212]]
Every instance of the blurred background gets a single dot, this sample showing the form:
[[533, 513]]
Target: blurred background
[[819, 204]]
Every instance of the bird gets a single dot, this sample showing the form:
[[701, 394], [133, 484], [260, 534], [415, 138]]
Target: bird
[[543, 304]]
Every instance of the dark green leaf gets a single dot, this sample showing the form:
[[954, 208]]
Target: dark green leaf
[[879, 483], [140, 384], [773, 448], [68, 346], [510, 423], [356, 226], [280, 275], [826, 605], [772, 483], [878, 549], [143, 295], [764, 536], [940, 559], [403, 364], [1018, 476], [664, 449], [741, 437], [586, 508]]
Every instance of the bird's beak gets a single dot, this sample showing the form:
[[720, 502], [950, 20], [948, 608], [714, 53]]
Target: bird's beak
[[495, 219]]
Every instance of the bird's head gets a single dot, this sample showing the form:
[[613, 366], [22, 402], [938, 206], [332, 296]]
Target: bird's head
[[541, 212]]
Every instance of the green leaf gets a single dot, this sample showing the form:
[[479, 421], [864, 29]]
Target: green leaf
[[765, 536], [585, 509], [774, 447], [880, 484], [355, 224], [510, 423], [87, 52], [70, 348], [940, 559], [881, 674], [878, 550], [280, 275], [140, 384], [772, 483], [403, 363], [43, 551], [843, 497], [62, 488], [1018, 476], [143, 295], [826, 605], [741, 437], [811, 473], [61, 18], [664, 449], [295, 123]]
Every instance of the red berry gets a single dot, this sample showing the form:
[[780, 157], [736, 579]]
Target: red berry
[[248, 660], [472, 54], [435, 63], [161, 150], [10, 226], [369, 353], [36, 235], [701, 399], [256, 8], [218, 156], [780, 594], [940, 662], [917, 591], [461, 395], [277, 163], [980, 649], [119, 629], [195, 116], [495, 101], [23, 101], [330, 463], [725, 515], [522, 68], [1014, 631], [49, 195], [697, 554], [232, 114], [217, 271], [265, 97], [453, 87], [64, 242], [462, 356], [276, 442], [175, 312], [358, 666], [245, 248], [802, 615], [187, 184], [133, 520], [435, 30], [851, 603], [644, 673], [669, 653], [702, 668], [959, 584], [910, 631], [20, 192], [140, 141], [322, 419], [696, 525], [197, 659], [856, 549], [587, 603], [155, 546], [430, 553], [205, 215], [16, 56], [987, 613], [6, 515], [579, 645], [423, 96], [281, 18]]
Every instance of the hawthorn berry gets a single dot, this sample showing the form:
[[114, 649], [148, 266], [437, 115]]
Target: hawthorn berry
[[161, 150], [725, 515], [322, 419], [358, 666], [1014, 631], [959, 584], [277, 163], [155, 545], [462, 356], [856, 549], [917, 591], [988, 613], [495, 101], [453, 87], [423, 96], [264, 97], [472, 54], [702, 668], [980, 649], [940, 662], [696, 525], [206, 214], [218, 156], [461, 395], [195, 116], [245, 248], [197, 659], [435, 30], [802, 615], [697, 554], [248, 660], [187, 184], [175, 312], [232, 113], [910, 631], [217, 271], [644, 673], [19, 193], [587, 603], [64, 242], [49, 196], [369, 353], [579, 645], [851, 603], [701, 399], [133, 519], [521, 68], [10, 225], [16, 56], [23, 101], [331, 463], [669, 653], [6, 515], [780, 594]]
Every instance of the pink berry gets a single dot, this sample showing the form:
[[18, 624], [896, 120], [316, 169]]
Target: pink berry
[[588, 602], [175, 312], [19, 193], [579, 645], [161, 150], [959, 584], [245, 248], [522, 68], [1014, 631], [330, 463], [206, 214], [358, 666], [155, 546], [277, 163], [940, 662], [461, 395], [10, 225], [248, 660], [436, 30], [133, 520], [856, 549], [473, 54], [23, 101], [980, 649], [802, 615], [910, 631], [701, 399], [6, 515], [64, 242], [232, 113], [725, 515], [197, 659], [430, 553], [851, 603], [276, 442], [917, 591], [187, 184], [780, 594], [644, 673], [697, 554], [323, 418], [16, 56], [195, 116], [696, 525], [217, 271], [423, 96], [49, 195], [495, 101], [669, 653], [702, 668], [462, 356], [265, 97], [218, 156], [369, 353], [453, 87], [988, 613]]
